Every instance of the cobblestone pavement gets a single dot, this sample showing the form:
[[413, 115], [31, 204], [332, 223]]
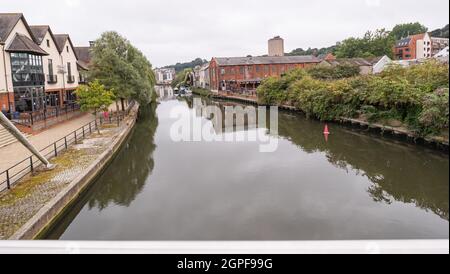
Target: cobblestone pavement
[[32, 193]]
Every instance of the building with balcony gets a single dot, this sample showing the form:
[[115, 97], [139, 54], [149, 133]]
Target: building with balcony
[[67, 67], [54, 86], [417, 46], [164, 76], [438, 44], [22, 78], [84, 55]]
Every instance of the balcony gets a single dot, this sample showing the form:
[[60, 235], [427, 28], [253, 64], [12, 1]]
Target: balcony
[[70, 79], [82, 80], [52, 79]]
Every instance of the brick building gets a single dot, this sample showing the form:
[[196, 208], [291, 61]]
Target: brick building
[[417, 46], [244, 74]]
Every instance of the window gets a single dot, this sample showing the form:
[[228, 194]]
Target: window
[[69, 69], [258, 69], [242, 70], [50, 67], [274, 70], [48, 43], [266, 69], [67, 48], [222, 71]]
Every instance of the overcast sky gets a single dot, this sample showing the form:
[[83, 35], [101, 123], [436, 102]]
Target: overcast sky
[[173, 31]]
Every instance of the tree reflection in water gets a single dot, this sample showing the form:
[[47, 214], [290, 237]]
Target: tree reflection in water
[[132, 166], [396, 170]]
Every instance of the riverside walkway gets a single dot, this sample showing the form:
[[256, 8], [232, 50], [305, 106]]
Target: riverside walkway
[[16, 152], [31, 195]]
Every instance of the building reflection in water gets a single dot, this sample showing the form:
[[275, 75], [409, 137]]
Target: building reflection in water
[[395, 169]]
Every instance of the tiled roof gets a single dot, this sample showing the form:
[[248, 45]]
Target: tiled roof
[[350, 62], [60, 40], [235, 61], [7, 23], [403, 42], [39, 33], [22, 43], [84, 54]]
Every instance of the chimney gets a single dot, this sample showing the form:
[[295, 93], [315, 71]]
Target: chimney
[[276, 46]]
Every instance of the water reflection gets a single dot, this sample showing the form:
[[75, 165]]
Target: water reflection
[[398, 172], [352, 187], [132, 166], [125, 178], [165, 93]]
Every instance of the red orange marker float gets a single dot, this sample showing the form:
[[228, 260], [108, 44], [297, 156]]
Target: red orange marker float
[[326, 132]]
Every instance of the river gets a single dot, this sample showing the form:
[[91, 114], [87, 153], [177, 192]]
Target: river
[[352, 186]]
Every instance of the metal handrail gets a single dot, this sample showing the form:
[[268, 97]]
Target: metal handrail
[[52, 150]]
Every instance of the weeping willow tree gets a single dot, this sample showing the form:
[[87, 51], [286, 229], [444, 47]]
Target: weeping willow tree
[[122, 68]]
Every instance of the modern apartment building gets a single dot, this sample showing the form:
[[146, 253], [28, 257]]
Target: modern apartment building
[[39, 72], [67, 66], [54, 84], [438, 44], [417, 46], [164, 76], [22, 80]]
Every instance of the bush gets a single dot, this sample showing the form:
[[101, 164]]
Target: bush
[[333, 73], [405, 94], [435, 114]]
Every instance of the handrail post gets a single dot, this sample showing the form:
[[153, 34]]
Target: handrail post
[[8, 183], [31, 164], [56, 149]]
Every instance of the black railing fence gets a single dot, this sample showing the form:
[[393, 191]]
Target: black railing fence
[[30, 118], [14, 174]]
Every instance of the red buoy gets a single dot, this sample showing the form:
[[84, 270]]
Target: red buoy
[[326, 131]]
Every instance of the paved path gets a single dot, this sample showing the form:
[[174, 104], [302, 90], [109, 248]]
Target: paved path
[[16, 152], [21, 203]]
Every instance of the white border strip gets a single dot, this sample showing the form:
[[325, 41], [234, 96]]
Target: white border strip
[[293, 247]]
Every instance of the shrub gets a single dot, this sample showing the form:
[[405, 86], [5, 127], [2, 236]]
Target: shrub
[[333, 73], [405, 94]]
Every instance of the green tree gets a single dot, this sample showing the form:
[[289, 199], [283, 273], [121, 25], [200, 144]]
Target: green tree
[[404, 30], [182, 78], [373, 44], [122, 68], [94, 97]]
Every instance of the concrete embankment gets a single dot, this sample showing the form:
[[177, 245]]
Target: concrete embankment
[[402, 134], [55, 207]]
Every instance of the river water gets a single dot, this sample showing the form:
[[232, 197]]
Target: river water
[[350, 187]]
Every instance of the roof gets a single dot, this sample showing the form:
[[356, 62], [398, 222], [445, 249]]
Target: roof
[[266, 60], [84, 53], [351, 62], [60, 40], [7, 23], [403, 42], [39, 33], [22, 43]]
